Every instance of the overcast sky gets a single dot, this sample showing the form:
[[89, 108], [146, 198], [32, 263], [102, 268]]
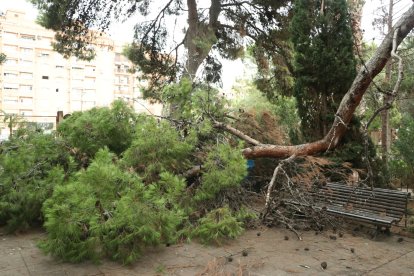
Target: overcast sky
[[233, 69]]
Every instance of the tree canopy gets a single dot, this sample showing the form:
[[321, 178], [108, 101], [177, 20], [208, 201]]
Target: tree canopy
[[222, 26], [323, 60]]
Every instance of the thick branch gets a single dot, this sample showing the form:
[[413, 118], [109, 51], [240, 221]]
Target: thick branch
[[275, 173], [237, 133], [349, 102], [214, 13]]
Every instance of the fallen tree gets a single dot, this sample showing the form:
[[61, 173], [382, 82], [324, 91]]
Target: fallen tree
[[345, 110]]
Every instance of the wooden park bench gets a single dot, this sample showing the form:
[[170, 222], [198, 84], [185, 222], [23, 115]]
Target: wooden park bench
[[380, 207]]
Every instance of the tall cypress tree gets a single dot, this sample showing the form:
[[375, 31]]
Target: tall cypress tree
[[324, 61]]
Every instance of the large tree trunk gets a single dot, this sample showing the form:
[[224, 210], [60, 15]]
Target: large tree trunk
[[355, 7], [349, 102], [385, 115], [200, 35]]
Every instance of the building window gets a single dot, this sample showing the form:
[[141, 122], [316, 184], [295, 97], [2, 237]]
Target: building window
[[26, 112], [10, 86], [26, 76], [45, 90], [10, 48], [26, 101], [26, 88], [10, 75], [77, 93], [10, 100], [77, 83], [45, 77], [26, 50], [28, 37], [8, 35], [11, 61], [90, 70], [123, 80], [26, 62], [88, 104], [89, 80]]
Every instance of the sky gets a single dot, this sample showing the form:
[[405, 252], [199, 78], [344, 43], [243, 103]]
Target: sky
[[234, 69], [372, 9]]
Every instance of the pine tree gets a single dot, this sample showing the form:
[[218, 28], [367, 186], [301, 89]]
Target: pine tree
[[31, 165], [324, 61]]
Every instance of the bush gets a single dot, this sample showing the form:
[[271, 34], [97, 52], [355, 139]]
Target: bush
[[109, 212], [156, 148], [224, 168], [30, 167], [218, 226], [96, 128]]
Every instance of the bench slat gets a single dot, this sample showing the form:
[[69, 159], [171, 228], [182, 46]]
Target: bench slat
[[365, 193], [397, 203], [377, 206], [362, 216], [376, 190]]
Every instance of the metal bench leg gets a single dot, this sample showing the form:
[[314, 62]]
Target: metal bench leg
[[377, 231]]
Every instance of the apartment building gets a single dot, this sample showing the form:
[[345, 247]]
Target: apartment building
[[36, 82]]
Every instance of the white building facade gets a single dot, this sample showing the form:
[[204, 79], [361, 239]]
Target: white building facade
[[36, 82]]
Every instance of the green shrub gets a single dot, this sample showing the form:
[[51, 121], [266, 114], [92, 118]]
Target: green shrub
[[76, 211], [139, 222], [96, 128], [109, 212], [158, 147], [217, 226], [30, 167], [224, 168]]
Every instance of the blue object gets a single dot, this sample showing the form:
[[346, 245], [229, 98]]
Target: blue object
[[250, 164]]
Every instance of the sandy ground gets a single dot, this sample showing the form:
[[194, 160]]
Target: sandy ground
[[266, 250]]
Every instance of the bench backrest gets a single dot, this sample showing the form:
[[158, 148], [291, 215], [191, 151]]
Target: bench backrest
[[385, 202]]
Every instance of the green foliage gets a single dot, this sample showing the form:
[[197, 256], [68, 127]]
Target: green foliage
[[140, 220], [162, 63], [401, 172], [405, 142], [3, 58], [217, 226], [193, 100], [158, 147], [109, 212], [30, 166], [96, 128], [324, 62], [224, 168]]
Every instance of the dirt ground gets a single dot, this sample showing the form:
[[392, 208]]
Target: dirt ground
[[264, 251]]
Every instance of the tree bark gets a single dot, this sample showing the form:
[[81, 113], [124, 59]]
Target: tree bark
[[385, 115], [355, 7], [200, 35], [349, 102]]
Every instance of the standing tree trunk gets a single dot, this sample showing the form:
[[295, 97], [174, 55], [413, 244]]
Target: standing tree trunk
[[385, 115], [355, 7], [200, 36]]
